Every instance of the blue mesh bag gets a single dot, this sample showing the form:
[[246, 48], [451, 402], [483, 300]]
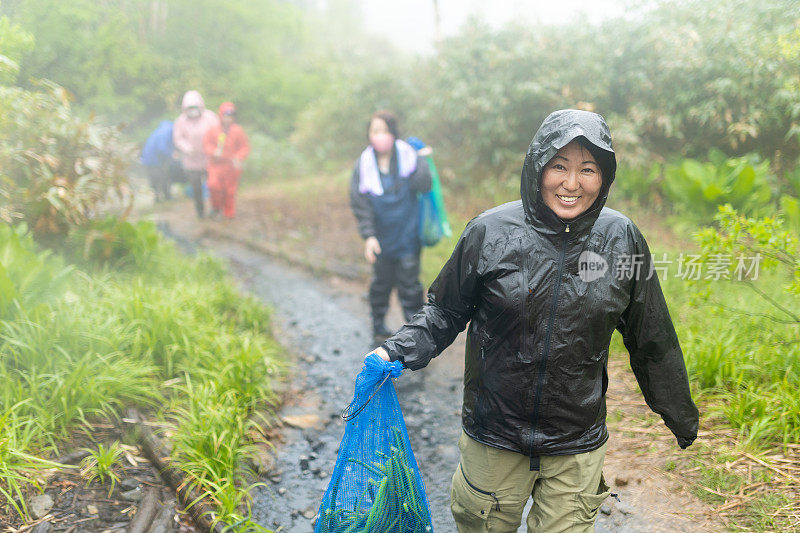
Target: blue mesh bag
[[375, 486]]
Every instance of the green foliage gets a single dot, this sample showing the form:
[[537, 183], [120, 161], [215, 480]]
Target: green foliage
[[766, 237], [55, 169], [213, 447], [102, 463], [790, 202], [273, 158], [751, 364], [790, 207], [118, 338], [18, 466], [697, 188], [639, 185], [116, 242], [674, 79], [132, 61], [14, 42], [28, 278]]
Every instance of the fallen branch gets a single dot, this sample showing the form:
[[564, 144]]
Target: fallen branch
[[193, 502], [147, 510], [28, 527], [162, 523]]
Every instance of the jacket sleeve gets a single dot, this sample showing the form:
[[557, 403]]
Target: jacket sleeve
[[362, 207], [180, 137], [452, 300], [163, 145], [420, 179], [656, 356], [210, 139]]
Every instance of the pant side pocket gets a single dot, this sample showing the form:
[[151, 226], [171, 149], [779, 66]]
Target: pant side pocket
[[589, 503]]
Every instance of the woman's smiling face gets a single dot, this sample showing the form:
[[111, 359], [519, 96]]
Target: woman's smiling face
[[571, 181]]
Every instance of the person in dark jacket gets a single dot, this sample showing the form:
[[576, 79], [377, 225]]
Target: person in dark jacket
[[543, 283], [383, 196]]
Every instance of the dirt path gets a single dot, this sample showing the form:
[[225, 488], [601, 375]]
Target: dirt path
[[322, 318]]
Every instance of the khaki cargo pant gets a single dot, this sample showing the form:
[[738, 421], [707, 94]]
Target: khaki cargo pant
[[491, 487]]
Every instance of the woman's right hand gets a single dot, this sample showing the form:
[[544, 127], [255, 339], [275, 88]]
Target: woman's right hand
[[372, 248], [380, 352]]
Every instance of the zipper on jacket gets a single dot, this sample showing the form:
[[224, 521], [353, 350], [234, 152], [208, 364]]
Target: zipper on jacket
[[476, 489], [546, 352]]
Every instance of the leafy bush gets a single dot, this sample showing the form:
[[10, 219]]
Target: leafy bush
[[765, 237], [28, 278], [752, 363], [674, 79], [116, 242], [697, 188], [638, 185], [790, 201], [14, 42], [271, 159], [55, 169]]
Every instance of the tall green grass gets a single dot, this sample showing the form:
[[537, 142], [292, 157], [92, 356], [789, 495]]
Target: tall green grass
[[79, 345], [745, 366], [214, 445]]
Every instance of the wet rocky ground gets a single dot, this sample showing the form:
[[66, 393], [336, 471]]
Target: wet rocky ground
[[69, 504], [324, 322]]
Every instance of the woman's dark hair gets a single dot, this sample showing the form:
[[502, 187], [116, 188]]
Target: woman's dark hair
[[389, 118]]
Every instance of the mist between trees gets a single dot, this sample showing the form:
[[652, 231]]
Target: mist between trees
[[673, 78]]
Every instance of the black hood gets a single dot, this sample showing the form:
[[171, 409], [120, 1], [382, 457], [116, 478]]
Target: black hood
[[557, 131]]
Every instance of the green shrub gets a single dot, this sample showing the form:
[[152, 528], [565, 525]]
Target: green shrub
[[272, 158], [638, 185], [55, 168], [113, 241], [18, 464], [697, 188], [790, 201], [751, 362], [28, 278]]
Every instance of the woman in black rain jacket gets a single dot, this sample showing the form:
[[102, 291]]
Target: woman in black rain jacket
[[543, 283]]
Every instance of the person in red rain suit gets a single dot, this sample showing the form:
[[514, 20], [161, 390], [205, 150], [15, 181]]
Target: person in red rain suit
[[226, 146]]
